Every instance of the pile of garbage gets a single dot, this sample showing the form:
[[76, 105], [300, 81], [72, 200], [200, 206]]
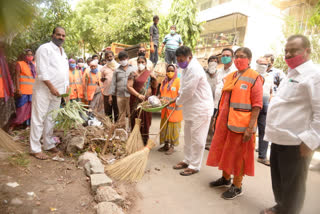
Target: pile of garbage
[[98, 134]]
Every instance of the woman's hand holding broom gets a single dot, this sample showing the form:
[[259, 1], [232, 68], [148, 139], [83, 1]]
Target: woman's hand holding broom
[[141, 97]]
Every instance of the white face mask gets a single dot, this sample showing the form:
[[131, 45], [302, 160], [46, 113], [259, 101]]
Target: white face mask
[[124, 63], [261, 69], [212, 67], [141, 67]]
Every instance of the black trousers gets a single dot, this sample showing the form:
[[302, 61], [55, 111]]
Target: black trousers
[[288, 173], [263, 145], [154, 56], [108, 109]]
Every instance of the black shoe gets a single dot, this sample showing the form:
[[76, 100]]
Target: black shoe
[[221, 182], [232, 192]]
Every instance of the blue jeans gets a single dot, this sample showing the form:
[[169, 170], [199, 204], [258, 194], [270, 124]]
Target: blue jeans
[[170, 56]]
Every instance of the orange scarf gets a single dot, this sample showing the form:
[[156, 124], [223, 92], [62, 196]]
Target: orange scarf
[[230, 82]]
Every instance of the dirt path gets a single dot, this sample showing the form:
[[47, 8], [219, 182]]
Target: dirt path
[[58, 187]]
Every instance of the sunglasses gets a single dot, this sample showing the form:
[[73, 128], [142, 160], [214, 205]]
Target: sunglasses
[[170, 71]]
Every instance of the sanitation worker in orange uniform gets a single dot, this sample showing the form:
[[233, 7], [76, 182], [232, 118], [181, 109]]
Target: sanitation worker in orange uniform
[[169, 135], [75, 81], [232, 147], [25, 78]]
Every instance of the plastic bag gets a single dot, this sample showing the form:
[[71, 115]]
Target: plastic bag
[[154, 101]]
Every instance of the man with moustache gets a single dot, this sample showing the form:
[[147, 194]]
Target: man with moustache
[[51, 81]]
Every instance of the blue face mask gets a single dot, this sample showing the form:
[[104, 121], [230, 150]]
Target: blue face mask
[[94, 70], [226, 59], [72, 65]]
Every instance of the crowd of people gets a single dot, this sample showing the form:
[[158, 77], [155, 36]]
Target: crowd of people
[[222, 106]]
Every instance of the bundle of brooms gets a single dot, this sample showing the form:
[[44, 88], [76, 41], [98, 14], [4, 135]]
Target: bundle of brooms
[[8, 144], [132, 167]]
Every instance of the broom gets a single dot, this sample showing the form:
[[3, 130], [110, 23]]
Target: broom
[[135, 142], [8, 144], [132, 167]]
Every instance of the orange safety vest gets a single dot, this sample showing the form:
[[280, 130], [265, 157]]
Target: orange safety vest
[[75, 84], [1, 85], [93, 83], [170, 95], [240, 102], [26, 78]]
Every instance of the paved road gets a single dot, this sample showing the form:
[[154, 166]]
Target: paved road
[[167, 192]]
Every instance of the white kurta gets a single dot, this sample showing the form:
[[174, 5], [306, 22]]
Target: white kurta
[[52, 66], [196, 97]]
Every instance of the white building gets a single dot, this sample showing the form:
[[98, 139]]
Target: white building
[[256, 24]]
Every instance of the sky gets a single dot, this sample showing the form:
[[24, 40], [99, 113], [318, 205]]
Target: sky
[[165, 5]]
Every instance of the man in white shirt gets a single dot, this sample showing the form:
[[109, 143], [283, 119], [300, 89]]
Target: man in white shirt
[[261, 68], [195, 96], [278, 75], [228, 67], [212, 74], [51, 81], [293, 127]]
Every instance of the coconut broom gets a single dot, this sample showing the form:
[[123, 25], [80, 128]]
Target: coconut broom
[[8, 144], [132, 167]]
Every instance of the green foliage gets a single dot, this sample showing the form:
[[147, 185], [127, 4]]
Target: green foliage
[[314, 21], [101, 24], [15, 15], [49, 14], [183, 15], [309, 27], [95, 24], [132, 26], [69, 116]]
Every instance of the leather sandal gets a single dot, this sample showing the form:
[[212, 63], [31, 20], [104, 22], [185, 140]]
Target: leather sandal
[[271, 210], [164, 148], [188, 172], [181, 165], [264, 161], [170, 150]]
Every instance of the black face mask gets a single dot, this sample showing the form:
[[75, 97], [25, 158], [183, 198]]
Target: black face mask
[[141, 53], [57, 42]]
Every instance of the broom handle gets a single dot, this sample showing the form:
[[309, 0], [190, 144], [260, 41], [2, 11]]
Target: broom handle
[[165, 123], [145, 93]]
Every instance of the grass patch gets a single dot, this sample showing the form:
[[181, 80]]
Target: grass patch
[[19, 160]]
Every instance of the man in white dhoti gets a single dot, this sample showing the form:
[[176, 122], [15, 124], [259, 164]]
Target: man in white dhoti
[[51, 81], [195, 96]]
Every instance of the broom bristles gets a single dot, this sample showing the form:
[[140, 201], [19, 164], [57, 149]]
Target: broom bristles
[[132, 167], [135, 142], [8, 144]]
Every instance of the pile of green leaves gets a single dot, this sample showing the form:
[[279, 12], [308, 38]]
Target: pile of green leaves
[[68, 117]]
